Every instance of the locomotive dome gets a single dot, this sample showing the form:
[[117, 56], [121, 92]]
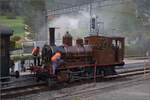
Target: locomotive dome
[[67, 35], [67, 39]]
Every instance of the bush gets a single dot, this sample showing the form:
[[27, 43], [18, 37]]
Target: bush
[[18, 46], [17, 58], [10, 16], [12, 45], [2, 13], [16, 38]]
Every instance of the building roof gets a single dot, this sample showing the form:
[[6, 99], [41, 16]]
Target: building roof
[[5, 30]]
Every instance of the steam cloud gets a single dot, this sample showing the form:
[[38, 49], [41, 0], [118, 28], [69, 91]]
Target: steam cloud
[[76, 24]]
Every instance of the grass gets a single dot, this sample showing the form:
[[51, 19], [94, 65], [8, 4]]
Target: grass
[[132, 47], [17, 58], [135, 55], [75, 98], [16, 24]]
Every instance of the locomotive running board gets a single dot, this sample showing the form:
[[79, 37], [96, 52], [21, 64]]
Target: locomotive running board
[[90, 65]]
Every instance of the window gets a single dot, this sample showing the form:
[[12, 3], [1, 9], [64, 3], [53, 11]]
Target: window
[[86, 42], [116, 43], [103, 43], [119, 44], [113, 43]]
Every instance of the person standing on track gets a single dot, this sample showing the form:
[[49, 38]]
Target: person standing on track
[[22, 63], [12, 64], [36, 55], [56, 61]]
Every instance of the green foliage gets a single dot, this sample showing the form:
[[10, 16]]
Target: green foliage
[[16, 38], [17, 58], [35, 16], [18, 46], [2, 13], [134, 50], [143, 7], [135, 55], [12, 45], [75, 98], [131, 47], [16, 24], [11, 16]]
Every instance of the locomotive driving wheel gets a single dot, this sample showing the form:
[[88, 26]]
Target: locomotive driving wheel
[[62, 77]]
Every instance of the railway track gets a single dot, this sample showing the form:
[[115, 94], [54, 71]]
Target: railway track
[[23, 90], [133, 70], [36, 88]]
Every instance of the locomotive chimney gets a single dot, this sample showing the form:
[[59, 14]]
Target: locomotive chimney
[[52, 36]]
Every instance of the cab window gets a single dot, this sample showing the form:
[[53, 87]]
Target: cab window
[[116, 44], [86, 42], [119, 44], [103, 43]]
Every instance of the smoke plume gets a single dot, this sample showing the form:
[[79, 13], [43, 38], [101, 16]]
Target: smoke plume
[[76, 24]]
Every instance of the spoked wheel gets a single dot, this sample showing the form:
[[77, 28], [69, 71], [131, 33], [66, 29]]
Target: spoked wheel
[[17, 74], [102, 73]]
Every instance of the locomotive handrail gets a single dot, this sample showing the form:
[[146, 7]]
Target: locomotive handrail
[[89, 65]]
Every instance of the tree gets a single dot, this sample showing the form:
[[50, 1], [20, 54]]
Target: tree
[[12, 45], [15, 38], [35, 16], [143, 7]]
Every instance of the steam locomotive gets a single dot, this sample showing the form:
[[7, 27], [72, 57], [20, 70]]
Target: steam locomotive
[[95, 55]]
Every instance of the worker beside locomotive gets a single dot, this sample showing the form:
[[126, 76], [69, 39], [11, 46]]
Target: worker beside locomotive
[[36, 53], [56, 61]]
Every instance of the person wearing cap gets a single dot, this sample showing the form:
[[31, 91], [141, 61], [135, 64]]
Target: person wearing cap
[[36, 53], [56, 61]]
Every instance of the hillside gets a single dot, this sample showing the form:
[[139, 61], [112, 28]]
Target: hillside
[[16, 24]]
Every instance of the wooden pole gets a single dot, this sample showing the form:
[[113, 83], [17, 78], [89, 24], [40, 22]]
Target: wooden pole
[[144, 70], [95, 74]]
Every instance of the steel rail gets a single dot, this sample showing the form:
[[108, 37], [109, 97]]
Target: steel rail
[[22, 90]]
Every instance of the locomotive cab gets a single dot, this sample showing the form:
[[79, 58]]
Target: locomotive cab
[[106, 50]]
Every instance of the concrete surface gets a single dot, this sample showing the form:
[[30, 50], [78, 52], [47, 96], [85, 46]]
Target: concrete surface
[[132, 61], [137, 92]]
